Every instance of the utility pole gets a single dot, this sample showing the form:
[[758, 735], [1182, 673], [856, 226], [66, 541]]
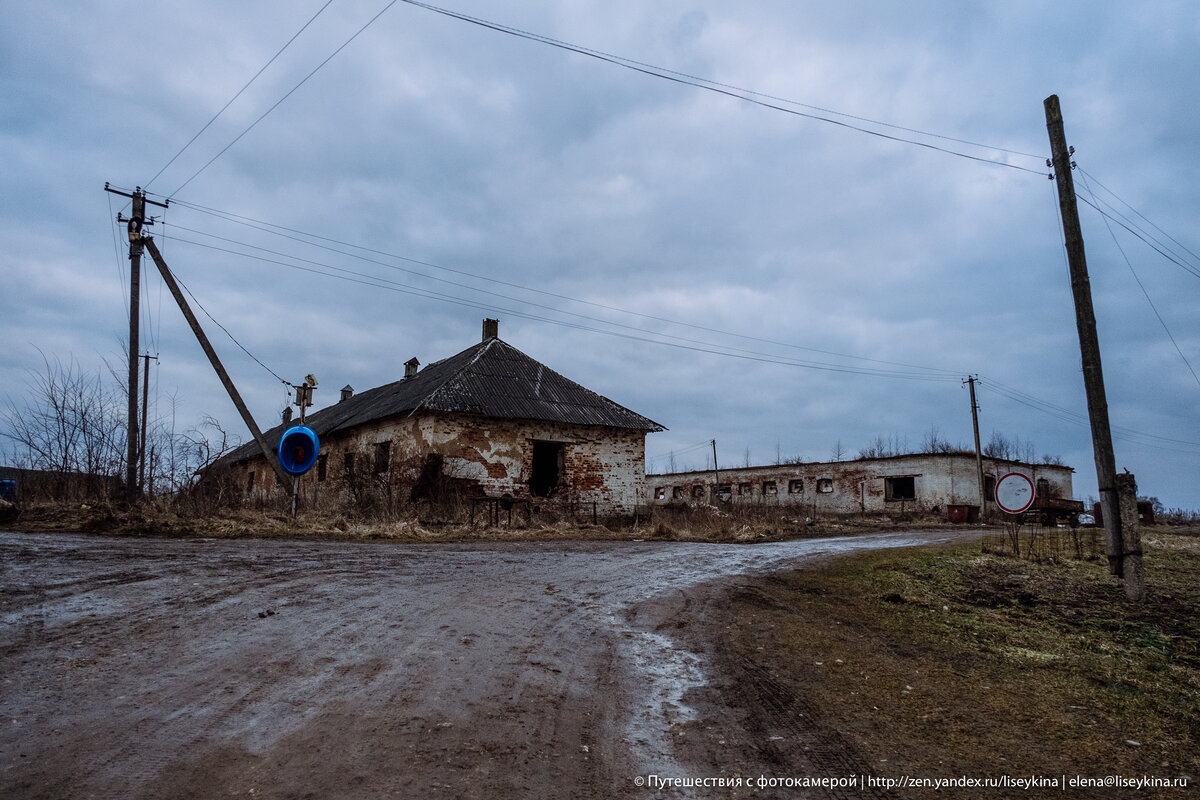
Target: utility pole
[[285, 480], [1124, 552], [137, 219], [145, 414], [978, 453], [716, 475]]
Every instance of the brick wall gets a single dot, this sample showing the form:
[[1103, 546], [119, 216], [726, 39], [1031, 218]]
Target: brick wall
[[492, 457]]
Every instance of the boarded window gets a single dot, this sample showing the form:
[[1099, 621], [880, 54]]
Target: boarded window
[[825, 485], [795, 486], [546, 473], [321, 468], [900, 488], [745, 489], [769, 488], [383, 457]]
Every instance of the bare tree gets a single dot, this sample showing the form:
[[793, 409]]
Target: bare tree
[[838, 452]]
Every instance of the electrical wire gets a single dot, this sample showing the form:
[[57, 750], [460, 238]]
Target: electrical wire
[[239, 93], [1142, 286], [267, 227], [289, 93], [1173, 240], [746, 95], [226, 330], [638, 334]]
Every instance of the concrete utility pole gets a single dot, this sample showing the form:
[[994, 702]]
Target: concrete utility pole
[[1124, 548], [978, 453], [716, 475], [285, 480], [137, 219]]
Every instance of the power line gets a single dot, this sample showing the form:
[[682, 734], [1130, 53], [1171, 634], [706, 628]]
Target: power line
[[374, 281], [1142, 286], [289, 93], [255, 224], [1173, 240], [263, 69], [746, 95]]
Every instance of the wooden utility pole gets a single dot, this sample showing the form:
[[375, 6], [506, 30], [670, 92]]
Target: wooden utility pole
[[716, 475], [285, 480], [978, 452], [137, 220], [145, 415], [1124, 557]]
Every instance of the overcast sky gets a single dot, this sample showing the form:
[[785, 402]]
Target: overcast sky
[[734, 271]]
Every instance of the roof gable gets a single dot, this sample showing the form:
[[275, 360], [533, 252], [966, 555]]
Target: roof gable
[[490, 379]]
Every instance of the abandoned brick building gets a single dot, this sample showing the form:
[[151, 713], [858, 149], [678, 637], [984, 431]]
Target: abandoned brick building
[[487, 422], [920, 481]]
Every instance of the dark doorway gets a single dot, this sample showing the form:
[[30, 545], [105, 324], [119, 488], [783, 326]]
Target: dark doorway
[[547, 472]]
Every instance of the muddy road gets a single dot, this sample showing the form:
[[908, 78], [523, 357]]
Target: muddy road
[[142, 668]]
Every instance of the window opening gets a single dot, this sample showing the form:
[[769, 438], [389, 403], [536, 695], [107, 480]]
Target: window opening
[[745, 489], [549, 459], [795, 486], [321, 466], [769, 487], [825, 485], [900, 488], [348, 464], [698, 491], [383, 457], [660, 493]]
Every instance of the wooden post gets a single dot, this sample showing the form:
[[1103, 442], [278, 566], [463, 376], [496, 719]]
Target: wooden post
[[978, 452], [1089, 347], [285, 480]]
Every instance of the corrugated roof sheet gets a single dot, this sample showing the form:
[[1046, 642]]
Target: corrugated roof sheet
[[490, 379]]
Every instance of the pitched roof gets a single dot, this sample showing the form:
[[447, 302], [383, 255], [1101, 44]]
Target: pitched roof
[[490, 379]]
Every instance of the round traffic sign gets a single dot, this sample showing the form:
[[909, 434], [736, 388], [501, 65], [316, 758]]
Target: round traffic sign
[[1014, 493]]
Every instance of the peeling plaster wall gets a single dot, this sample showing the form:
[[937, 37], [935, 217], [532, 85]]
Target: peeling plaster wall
[[847, 487], [601, 466]]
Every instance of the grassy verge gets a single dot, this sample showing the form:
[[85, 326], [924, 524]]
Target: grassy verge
[[950, 662]]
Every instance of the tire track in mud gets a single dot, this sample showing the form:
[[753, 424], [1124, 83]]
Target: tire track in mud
[[149, 668]]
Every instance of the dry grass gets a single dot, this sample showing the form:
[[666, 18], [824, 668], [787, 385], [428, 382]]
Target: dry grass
[[952, 662], [423, 524]]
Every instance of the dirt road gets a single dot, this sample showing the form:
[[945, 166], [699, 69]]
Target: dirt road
[[139, 668]]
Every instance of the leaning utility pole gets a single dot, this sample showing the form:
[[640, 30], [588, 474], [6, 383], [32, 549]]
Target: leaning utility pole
[[1124, 549], [137, 219], [285, 480], [978, 453]]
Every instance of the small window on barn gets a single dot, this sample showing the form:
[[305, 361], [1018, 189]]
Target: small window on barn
[[660, 493], [698, 491], [825, 485], [1043, 487], [677, 493], [769, 488], [795, 486], [724, 491], [745, 489], [321, 466], [900, 488], [383, 457], [989, 487], [348, 464], [250, 481]]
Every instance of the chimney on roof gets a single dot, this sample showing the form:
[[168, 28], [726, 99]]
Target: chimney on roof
[[411, 366], [286, 415], [347, 392], [491, 329]]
